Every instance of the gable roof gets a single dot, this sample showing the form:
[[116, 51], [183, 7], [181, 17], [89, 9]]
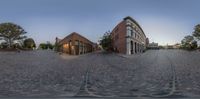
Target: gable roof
[[75, 33]]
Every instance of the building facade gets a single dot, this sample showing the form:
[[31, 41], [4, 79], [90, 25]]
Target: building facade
[[75, 44], [128, 37]]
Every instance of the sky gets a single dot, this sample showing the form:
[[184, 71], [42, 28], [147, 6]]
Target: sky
[[163, 21]]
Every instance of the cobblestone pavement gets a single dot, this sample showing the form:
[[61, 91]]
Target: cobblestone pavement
[[155, 73]]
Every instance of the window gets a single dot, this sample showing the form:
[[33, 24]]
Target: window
[[76, 42], [131, 24], [131, 33]]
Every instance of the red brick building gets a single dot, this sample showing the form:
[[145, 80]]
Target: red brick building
[[128, 37], [75, 44]]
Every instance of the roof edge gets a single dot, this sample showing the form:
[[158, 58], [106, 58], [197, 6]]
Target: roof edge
[[75, 33], [128, 17]]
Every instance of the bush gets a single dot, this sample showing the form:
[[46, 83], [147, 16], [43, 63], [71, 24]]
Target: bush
[[29, 43], [4, 45], [45, 46]]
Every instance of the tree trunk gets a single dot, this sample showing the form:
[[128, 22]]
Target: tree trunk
[[9, 43]]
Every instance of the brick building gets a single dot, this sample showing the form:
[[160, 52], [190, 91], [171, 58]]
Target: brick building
[[128, 37], [75, 44]]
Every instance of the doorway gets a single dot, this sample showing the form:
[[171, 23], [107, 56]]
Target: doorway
[[132, 47], [135, 47]]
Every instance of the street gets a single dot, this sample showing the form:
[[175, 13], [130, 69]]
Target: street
[[155, 73]]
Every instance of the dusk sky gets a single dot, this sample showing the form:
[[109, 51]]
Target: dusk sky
[[163, 21]]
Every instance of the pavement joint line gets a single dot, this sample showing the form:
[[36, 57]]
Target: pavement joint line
[[174, 82], [84, 86]]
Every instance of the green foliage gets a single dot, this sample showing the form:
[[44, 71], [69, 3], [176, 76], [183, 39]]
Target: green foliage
[[45, 46], [11, 32], [50, 46], [106, 41], [29, 43], [16, 45], [194, 45], [4, 45], [161, 47], [196, 32], [189, 43]]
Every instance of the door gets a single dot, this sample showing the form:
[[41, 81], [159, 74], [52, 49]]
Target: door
[[132, 47], [135, 47]]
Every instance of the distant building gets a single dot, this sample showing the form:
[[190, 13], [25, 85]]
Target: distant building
[[170, 47], [153, 45], [75, 44], [177, 46], [128, 37]]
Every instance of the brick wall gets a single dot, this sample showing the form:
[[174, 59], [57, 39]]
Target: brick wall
[[118, 37]]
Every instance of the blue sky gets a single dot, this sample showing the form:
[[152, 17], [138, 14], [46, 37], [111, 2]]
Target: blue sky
[[163, 21]]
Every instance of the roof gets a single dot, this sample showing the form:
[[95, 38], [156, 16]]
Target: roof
[[75, 33]]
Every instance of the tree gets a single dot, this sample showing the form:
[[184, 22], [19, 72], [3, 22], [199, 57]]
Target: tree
[[106, 41], [196, 32], [47, 45], [57, 46], [189, 43], [29, 43], [43, 46], [194, 45], [11, 32]]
